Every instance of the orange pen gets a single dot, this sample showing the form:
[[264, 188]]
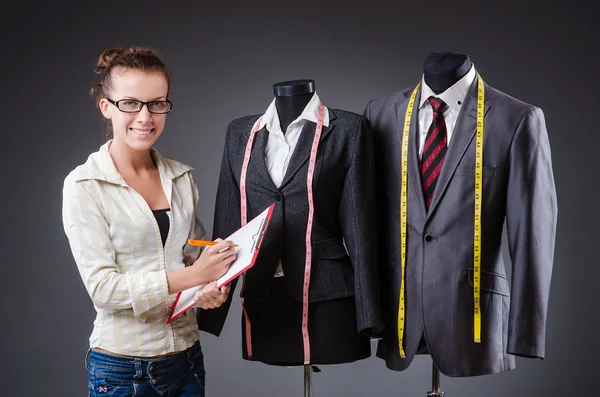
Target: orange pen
[[204, 243]]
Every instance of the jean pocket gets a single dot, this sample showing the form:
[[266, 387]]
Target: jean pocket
[[113, 387], [111, 382]]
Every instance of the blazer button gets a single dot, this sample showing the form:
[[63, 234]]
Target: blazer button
[[277, 198], [428, 238]]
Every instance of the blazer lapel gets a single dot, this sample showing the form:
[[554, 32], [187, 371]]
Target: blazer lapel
[[464, 131], [414, 175], [257, 163], [303, 147]]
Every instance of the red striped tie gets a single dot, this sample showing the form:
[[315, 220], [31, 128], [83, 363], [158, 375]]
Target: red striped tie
[[434, 150]]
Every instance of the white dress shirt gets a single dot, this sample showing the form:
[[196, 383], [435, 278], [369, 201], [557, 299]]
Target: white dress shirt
[[454, 98], [116, 244], [280, 146]]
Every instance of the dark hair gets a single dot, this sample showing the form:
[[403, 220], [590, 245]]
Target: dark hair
[[137, 58]]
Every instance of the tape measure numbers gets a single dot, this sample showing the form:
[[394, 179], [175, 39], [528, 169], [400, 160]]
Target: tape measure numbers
[[311, 209], [477, 217]]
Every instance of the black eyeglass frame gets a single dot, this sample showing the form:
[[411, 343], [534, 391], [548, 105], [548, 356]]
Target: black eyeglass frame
[[116, 103]]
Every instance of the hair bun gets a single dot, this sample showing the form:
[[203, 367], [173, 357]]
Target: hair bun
[[108, 57]]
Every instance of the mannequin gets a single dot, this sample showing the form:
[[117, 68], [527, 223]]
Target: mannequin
[[342, 299], [468, 331], [291, 97], [443, 69]]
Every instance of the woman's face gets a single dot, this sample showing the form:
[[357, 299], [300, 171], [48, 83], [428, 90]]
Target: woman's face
[[138, 130]]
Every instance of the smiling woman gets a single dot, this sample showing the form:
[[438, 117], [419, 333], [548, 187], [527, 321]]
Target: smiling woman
[[126, 76], [128, 213]]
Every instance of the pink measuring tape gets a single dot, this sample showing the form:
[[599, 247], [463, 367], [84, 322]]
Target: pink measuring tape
[[311, 209]]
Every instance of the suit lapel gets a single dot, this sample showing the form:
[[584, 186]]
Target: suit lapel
[[303, 147], [464, 131], [414, 174], [257, 163]]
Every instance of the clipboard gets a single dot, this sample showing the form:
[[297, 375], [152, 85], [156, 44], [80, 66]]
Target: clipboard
[[249, 240]]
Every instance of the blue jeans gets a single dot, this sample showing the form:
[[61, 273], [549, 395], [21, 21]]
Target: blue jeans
[[180, 375]]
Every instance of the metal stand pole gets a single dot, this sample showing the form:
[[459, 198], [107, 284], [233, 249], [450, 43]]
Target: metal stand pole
[[435, 383], [307, 380]]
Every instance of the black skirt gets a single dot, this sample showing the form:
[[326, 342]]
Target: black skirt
[[276, 330]]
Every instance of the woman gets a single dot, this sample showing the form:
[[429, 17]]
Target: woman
[[128, 212]]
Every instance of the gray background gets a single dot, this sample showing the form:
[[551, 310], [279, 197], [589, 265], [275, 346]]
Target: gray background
[[225, 58]]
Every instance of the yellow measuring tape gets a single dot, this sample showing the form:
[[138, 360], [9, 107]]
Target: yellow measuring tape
[[477, 233], [403, 208]]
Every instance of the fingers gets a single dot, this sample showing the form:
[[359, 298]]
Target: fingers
[[225, 259], [210, 297], [221, 246], [229, 258], [225, 290]]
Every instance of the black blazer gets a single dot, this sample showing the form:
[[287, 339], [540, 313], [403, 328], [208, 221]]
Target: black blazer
[[343, 236]]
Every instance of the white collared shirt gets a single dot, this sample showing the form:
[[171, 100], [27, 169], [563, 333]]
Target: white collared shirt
[[116, 244], [454, 98], [280, 146]]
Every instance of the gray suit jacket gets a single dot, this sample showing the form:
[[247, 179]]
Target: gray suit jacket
[[518, 187], [344, 194]]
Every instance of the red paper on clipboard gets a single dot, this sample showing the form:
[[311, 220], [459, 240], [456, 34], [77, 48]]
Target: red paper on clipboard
[[249, 240]]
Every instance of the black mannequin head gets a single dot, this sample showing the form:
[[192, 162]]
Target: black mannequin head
[[443, 69], [291, 97]]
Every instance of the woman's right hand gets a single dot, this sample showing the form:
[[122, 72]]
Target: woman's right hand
[[215, 260]]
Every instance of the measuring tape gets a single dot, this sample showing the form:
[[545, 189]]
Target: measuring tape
[[403, 215], [478, 193], [311, 209], [244, 221], [477, 232]]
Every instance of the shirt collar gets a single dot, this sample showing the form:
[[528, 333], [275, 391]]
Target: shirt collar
[[101, 166], [310, 113], [453, 95]]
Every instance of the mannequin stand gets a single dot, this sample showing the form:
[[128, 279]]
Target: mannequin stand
[[435, 383], [308, 370], [307, 380]]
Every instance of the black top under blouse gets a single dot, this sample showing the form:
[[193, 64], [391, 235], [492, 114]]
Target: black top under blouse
[[162, 218]]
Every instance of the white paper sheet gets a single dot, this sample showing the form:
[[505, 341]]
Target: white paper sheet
[[248, 239]]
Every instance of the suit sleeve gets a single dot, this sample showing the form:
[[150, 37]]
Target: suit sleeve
[[380, 215], [531, 217], [357, 215], [226, 221]]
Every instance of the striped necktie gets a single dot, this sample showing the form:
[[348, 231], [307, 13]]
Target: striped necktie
[[434, 150]]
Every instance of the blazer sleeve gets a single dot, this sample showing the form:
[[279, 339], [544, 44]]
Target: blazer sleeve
[[357, 216], [531, 217], [226, 221]]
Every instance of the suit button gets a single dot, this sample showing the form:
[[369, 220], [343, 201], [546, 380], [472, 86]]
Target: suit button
[[277, 198], [428, 238]]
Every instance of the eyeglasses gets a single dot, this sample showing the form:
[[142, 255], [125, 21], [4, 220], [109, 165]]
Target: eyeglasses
[[134, 106]]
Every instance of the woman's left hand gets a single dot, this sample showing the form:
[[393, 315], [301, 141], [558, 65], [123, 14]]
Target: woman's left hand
[[211, 297]]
